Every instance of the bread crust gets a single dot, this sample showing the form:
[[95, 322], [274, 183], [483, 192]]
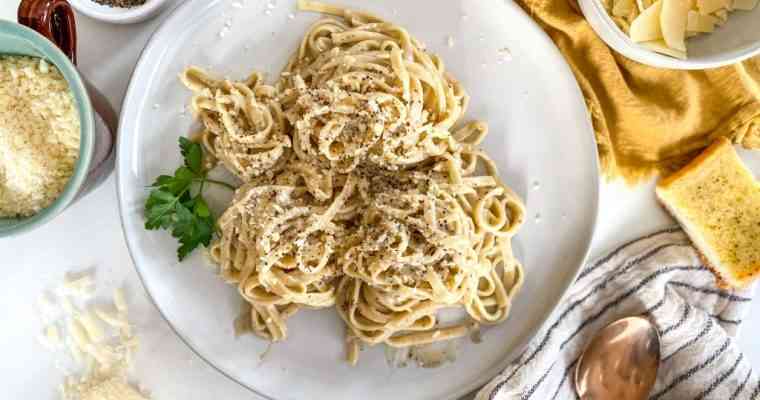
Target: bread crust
[[720, 278], [694, 164], [724, 277]]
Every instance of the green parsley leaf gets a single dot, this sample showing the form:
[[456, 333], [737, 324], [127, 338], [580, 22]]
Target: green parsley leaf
[[174, 207], [193, 154], [201, 208], [158, 209]]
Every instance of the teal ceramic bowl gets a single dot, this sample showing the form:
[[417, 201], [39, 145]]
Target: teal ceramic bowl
[[16, 39]]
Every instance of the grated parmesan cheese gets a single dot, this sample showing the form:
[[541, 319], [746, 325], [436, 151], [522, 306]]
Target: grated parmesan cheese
[[39, 135], [111, 389]]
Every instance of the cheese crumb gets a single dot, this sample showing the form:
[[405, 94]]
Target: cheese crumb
[[504, 55]]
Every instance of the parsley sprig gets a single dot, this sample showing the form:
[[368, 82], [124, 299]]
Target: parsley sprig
[[176, 202]]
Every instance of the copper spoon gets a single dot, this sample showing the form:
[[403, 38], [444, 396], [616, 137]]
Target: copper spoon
[[620, 362]]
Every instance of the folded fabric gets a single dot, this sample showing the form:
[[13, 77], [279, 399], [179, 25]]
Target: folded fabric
[[659, 276], [650, 120]]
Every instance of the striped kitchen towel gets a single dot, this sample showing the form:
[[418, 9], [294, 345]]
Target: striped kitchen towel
[[659, 276]]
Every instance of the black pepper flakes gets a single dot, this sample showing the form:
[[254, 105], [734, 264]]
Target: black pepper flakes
[[121, 3]]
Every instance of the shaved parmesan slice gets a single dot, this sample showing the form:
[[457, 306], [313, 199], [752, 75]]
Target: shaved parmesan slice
[[700, 23], [646, 26], [104, 356], [710, 6], [744, 4], [90, 369], [91, 326], [125, 332], [78, 333], [129, 354], [110, 318], [673, 23], [119, 301], [643, 4], [52, 336], [75, 351], [622, 8], [68, 307], [722, 16], [659, 46], [132, 343], [84, 286]]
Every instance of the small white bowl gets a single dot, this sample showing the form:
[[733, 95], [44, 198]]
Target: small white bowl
[[733, 42], [118, 15]]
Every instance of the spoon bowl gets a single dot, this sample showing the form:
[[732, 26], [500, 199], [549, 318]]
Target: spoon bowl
[[621, 362]]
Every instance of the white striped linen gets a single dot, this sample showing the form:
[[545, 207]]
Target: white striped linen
[[662, 277]]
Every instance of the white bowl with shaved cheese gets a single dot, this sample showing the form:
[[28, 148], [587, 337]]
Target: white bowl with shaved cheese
[[678, 34]]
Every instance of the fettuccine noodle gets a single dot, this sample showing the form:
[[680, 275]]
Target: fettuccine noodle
[[364, 190]]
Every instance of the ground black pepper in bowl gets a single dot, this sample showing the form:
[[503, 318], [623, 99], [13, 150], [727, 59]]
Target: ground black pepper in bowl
[[121, 3]]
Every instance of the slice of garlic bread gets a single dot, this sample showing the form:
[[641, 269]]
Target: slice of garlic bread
[[717, 201]]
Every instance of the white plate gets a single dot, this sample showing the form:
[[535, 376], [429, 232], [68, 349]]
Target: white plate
[[541, 138]]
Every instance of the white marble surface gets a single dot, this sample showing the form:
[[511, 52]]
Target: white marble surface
[[88, 235]]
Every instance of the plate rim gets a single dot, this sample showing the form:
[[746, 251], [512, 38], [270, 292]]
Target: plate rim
[[475, 385]]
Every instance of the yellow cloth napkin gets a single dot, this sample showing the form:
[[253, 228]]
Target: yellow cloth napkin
[[650, 120]]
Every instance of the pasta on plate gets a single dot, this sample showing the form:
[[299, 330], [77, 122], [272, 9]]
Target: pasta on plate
[[364, 189]]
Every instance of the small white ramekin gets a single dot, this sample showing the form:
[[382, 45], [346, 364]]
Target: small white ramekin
[[117, 15]]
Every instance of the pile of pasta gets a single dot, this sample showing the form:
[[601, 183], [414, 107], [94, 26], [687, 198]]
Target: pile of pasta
[[364, 189]]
